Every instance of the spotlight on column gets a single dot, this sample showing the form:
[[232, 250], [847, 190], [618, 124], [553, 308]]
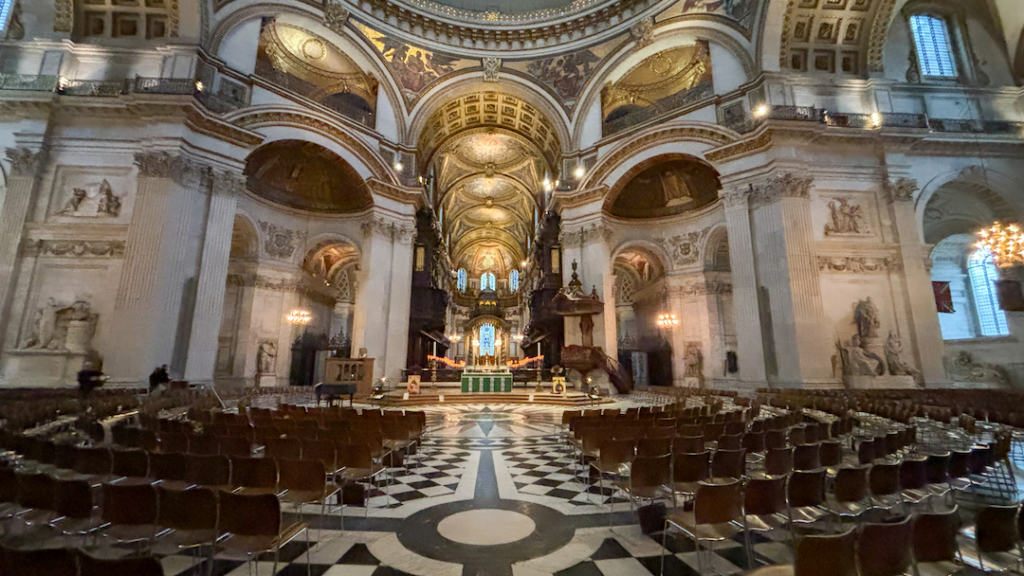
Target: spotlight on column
[[398, 167], [762, 111], [579, 172]]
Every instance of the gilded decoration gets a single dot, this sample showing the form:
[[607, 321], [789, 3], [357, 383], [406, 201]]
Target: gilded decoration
[[656, 79], [323, 72], [739, 14], [414, 68], [834, 36], [306, 176], [492, 109], [665, 189], [565, 75]]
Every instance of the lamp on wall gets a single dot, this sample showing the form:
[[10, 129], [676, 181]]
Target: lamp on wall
[[299, 317], [1005, 241], [667, 321]]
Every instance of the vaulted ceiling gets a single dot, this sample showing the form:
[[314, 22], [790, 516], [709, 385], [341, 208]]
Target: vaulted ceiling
[[487, 178]]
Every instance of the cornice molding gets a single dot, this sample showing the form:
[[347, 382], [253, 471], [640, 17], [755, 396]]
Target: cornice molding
[[401, 194], [577, 198]]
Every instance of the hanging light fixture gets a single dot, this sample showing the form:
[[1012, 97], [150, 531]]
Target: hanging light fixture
[[299, 317], [1005, 241], [667, 321]]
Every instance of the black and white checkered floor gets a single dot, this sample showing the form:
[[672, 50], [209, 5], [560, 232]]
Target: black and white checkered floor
[[481, 457]]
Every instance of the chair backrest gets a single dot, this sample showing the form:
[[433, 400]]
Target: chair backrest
[[754, 442], [172, 442], [288, 448], [691, 467], [884, 479], [208, 470], [234, 446], [729, 463], [301, 474], [651, 471], [797, 435], [851, 484], [831, 555], [249, 515], [830, 453], [354, 455], [203, 444], [935, 536], [322, 451], [138, 566], [654, 446], [72, 498], [765, 495], [96, 460], [730, 442], [806, 457], [884, 549], [253, 472], [806, 488], [778, 461], [997, 528], [733, 428], [192, 509], [47, 562], [866, 451], [691, 444], [776, 439], [718, 503], [36, 491], [617, 451], [130, 504], [133, 462], [959, 464], [169, 466], [936, 468], [913, 475]]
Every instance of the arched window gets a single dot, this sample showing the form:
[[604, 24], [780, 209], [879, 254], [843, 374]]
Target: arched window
[[983, 274], [460, 280], [513, 281], [487, 340], [487, 281], [5, 13], [934, 47]]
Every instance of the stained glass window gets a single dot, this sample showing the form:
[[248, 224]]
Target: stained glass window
[[487, 340], [513, 281], [460, 280], [983, 274], [487, 281], [5, 12], [934, 50]]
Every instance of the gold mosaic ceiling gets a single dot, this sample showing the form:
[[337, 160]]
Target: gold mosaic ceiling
[[306, 176], [666, 188], [835, 35], [486, 177]]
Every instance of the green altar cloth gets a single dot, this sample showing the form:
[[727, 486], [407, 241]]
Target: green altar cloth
[[487, 382]]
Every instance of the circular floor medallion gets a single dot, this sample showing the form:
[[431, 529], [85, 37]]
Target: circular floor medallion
[[486, 527]]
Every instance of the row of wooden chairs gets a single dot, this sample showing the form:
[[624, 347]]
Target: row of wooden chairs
[[73, 562]]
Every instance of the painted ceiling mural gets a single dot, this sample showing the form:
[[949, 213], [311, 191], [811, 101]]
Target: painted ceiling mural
[[658, 78], [738, 13], [665, 189]]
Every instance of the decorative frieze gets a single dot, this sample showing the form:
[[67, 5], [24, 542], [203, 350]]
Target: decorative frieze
[[705, 288], [858, 264], [901, 190], [389, 229], [278, 241], [787, 185], [63, 16], [579, 236], [25, 162], [74, 248], [252, 280]]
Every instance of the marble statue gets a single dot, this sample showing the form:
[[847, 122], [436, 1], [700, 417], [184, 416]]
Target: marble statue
[[693, 360], [266, 357], [63, 328], [893, 352], [865, 316], [109, 203], [860, 362], [45, 327]]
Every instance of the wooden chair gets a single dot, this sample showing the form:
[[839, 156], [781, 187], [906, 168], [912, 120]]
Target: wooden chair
[[142, 566], [717, 516], [252, 524]]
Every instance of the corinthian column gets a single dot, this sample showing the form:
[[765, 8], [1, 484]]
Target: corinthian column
[[924, 320], [156, 269], [22, 181], [213, 270], [749, 333]]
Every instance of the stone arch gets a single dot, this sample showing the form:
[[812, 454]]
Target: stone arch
[[986, 195], [652, 250], [245, 238], [716, 250], [705, 169], [281, 122]]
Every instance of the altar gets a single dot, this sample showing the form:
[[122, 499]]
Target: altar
[[486, 382]]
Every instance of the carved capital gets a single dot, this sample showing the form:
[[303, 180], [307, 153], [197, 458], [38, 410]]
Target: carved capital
[[787, 185], [386, 228], [25, 162], [228, 184], [335, 15], [192, 173], [735, 198], [155, 164], [901, 190]]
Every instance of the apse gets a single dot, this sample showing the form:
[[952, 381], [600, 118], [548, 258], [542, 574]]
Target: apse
[[306, 176], [666, 188]]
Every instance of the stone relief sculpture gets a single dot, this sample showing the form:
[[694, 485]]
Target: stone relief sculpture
[[491, 67], [693, 359], [278, 241], [844, 218], [865, 316], [893, 357], [266, 357], [61, 327], [858, 361], [93, 200], [962, 367]]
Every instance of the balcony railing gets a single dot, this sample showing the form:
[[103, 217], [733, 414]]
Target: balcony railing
[[28, 82], [180, 86], [95, 88], [664, 106]]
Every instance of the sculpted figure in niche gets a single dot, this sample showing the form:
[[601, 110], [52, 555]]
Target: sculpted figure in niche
[[109, 204], [893, 353], [860, 362], [845, 218], [75, 202], [266, 357], [693, 360], [865, 316], [45, 327], [93, 200]]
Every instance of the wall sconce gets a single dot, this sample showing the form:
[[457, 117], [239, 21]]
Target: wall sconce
[[299, 317], [667, 321]]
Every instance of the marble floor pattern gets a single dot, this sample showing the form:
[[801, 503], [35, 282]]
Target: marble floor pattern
[[493, 470]]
